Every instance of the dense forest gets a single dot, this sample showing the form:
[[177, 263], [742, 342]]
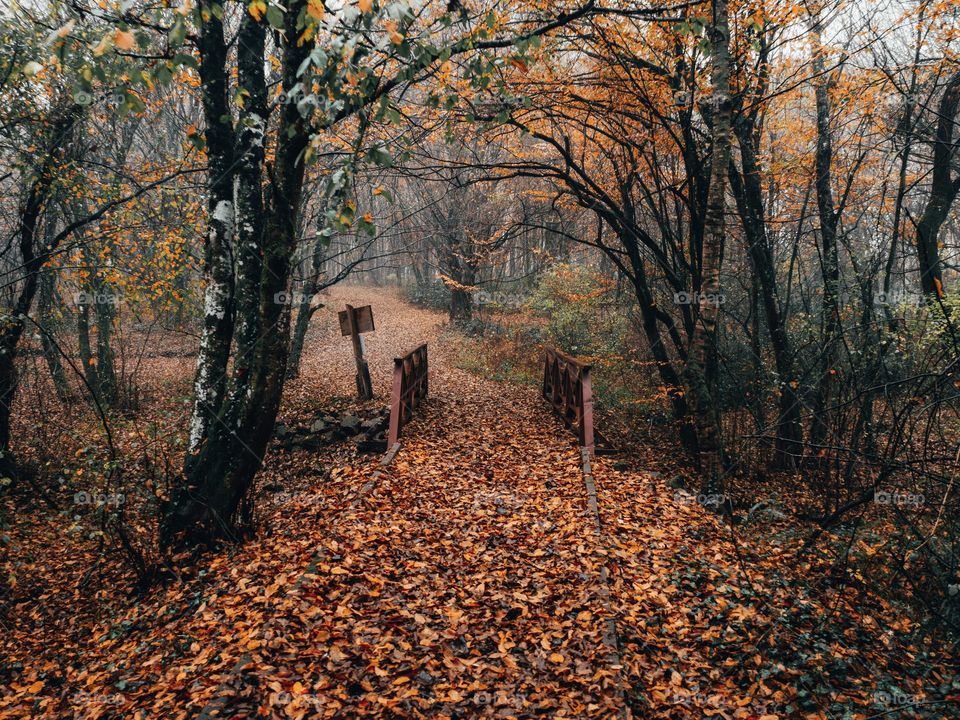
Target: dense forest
[[479, 358]]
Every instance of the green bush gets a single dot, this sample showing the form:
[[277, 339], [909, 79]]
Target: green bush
[[583, 315]]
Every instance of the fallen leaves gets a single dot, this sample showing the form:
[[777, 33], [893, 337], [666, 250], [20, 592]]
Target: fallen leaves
[[464, 584]]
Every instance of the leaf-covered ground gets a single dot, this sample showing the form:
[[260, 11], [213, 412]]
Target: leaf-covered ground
[[466, 580]]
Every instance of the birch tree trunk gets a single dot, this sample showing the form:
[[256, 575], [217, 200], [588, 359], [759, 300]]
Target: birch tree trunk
[[829, 258], [702, 402], [218, 308], [213, 500]]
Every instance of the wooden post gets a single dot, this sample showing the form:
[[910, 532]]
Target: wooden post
[[364, 384], [586, 420], [396, 403]]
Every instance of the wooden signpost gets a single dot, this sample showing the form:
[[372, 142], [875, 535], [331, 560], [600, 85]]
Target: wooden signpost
[[354, 321]]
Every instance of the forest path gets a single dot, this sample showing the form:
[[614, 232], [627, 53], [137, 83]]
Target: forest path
[[465, 581]]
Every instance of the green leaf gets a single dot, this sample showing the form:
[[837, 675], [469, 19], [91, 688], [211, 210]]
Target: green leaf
[[163, 75], [275, 17], [381, 156], [177, 33], [185, 59]]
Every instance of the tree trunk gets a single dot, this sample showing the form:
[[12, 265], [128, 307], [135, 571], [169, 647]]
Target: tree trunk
[[461, 306], [61, 385], [106, 371], [943, 191], [220, 472], [306, 307], [829, 258], [748, 191], [702, 401], [12, 323], [83, 341], [671, 380], [211, 377], [461, 299]]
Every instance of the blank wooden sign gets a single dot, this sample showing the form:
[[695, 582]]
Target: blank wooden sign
[[363, 317]]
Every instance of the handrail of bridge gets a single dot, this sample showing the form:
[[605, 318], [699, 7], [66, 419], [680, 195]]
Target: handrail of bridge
[[410, 385], [567, 387]]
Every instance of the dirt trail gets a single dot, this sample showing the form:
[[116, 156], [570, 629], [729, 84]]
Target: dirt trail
[[465, 583]]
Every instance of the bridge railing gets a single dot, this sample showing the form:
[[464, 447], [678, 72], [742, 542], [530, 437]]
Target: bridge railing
[[410, 385], [567, 387]]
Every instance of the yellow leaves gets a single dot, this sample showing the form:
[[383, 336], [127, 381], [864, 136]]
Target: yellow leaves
[[365, 5], [315, 9], [106, 42], [396, 37], [36, 687], [124, 40], [556, 658], [257, 9], [307, 35]]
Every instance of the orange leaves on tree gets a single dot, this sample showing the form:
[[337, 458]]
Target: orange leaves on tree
[[257, 9]]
